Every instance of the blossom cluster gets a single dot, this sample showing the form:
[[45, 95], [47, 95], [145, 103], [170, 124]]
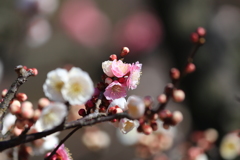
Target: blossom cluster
[[74, 86], [65, 88]]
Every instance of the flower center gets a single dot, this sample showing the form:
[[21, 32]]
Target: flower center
[[231, 146], [128, 126], [116, 88], [133, 109], [59, 85], [76, 88], [49, 118]]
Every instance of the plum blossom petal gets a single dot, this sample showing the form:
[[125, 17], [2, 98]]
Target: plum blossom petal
[[136, 106], [107, 68], [202, 156], [8, 121], [134, 77], [54, 83], [120, 102], [79, 88], [52, 115], [126, 125], [62, 153], [230, 146], [119, 69], [115, 90]]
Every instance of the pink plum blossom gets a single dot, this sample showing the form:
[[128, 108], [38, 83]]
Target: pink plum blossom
[[119, 69], [61, 153], [135, 73], [115, 90]]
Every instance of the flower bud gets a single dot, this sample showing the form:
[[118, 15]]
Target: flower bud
[[125, 51], [190, 68], [82, 112], [4, 92], [36, 114], [34, 71], [201, 31], [108, 80], [174, 73], [194, 37], [162, 98], [178, 95], [15, 107], [177, 117], [43, 102], [27, 110], [147, 129], [21, 97], [113, 57]]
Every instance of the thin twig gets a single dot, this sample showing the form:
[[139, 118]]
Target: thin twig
[[62, 141]]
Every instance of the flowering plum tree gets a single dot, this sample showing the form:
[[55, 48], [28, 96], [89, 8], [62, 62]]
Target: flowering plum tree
[[22, 123]]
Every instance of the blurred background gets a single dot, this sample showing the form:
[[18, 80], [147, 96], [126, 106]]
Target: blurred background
[[47, 34]]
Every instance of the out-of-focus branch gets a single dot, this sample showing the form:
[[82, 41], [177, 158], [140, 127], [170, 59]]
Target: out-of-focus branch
[[78, 123]]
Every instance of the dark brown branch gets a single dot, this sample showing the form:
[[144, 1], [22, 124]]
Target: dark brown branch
[[78, 123], [22, 78]]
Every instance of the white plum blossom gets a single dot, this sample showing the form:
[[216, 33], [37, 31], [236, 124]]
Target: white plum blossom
[[202, 156], [8, 121], [79, 88], [107, 68], [95, 139], [48, 143], [230, 146], [126, 125], [129, 139], [52, 115], [136, 106], [120, 102], [54, 83]]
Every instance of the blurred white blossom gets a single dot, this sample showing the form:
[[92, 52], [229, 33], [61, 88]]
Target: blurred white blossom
[[95, 139], [230, 146], [8, 121], [52, 115], [136, 106]]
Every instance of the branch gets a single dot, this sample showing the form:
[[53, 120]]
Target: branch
[[23, 74], [78, 123]]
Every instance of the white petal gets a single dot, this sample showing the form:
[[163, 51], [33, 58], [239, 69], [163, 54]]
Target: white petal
[[126, 125], [79, 88], [136, 106], [52, 115], [120, 102]]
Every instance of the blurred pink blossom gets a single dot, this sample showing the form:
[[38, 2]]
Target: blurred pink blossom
[[84, 22], [141, 31]]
